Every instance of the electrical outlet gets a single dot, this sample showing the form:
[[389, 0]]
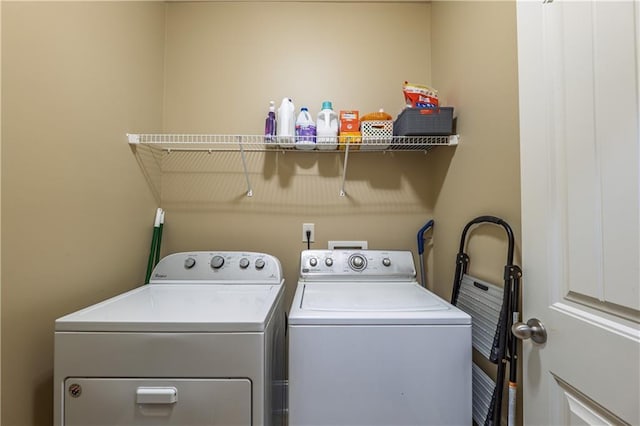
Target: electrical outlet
[[308, 227]]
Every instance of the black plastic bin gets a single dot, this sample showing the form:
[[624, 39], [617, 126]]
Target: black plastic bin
[[424, 122]]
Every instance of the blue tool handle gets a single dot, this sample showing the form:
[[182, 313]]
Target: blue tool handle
[[421, 232]]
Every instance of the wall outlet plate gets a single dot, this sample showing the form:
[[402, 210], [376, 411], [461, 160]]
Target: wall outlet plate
[[308, 227]]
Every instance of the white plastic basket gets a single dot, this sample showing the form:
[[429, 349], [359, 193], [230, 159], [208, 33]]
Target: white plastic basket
[[376, 134]]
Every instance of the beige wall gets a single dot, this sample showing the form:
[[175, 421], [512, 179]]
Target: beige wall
[[0, 211], [76, 212], [476, 70], [467, 50], [77, 76], [226, 60]]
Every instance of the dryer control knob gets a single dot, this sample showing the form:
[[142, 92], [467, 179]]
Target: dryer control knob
[[313, 261], [189, 263], [244, 263], [328, 261], [217, 262], [386, 261], [259, 263]]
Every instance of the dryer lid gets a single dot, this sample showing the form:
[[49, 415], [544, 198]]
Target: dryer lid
[[179, 308]]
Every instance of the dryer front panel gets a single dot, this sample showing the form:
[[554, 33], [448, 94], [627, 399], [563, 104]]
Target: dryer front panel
[[130, 401]]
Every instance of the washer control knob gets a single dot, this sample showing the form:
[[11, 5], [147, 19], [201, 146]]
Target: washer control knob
[[328, 261], [244, 263], [386, 261], [259, 263], [357, 262], [217, 262], [313, 261], [189, 263]]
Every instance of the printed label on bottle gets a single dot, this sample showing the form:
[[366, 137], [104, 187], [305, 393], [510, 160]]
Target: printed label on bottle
[[305, 132]]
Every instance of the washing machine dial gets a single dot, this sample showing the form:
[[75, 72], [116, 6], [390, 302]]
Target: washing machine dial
[[328, 261], [386, 261], [313, 262], [244, 263], [259, 263], [189, 263], [217, 262], [357, 262]]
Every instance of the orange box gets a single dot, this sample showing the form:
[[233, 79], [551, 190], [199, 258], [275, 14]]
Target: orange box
[[349, 121], [353, 139]]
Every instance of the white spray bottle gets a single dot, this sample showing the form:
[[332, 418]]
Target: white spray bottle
[[286, 123]]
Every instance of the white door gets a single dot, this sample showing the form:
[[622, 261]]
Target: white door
[[579, 120]]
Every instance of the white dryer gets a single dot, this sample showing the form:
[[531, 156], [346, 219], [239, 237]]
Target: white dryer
[[201, 344], [369, 346]]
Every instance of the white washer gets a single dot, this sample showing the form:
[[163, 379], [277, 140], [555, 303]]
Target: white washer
[[203, 343], [369, 346]]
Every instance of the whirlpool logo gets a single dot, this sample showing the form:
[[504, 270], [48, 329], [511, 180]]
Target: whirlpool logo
[[75, 390]]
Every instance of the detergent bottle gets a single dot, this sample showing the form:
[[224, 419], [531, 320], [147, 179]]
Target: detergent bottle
[[286, 123], [270, 125], [305, 130], [327, 128]]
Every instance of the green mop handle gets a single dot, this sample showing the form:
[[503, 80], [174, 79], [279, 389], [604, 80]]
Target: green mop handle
[[154, 238], [159, 239]]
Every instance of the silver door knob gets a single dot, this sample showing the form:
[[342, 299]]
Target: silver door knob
[[533, 329]]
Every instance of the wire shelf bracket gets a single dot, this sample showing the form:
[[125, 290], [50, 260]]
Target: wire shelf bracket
[[212, 143]]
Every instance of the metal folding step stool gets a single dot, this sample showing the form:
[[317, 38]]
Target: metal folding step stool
[[493, 310]]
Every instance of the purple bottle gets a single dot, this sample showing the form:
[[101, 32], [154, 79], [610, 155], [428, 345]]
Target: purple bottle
[[270, 124]]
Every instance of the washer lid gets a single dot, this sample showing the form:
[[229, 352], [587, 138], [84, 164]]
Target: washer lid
[[369, 298], [179, 308], [371, 303]]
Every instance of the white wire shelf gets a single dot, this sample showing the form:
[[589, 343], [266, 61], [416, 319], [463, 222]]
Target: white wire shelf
[[163, 144], [211, 143]]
